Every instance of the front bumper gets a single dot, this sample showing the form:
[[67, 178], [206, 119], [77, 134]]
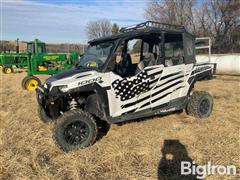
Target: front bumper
[[41, 95], [47, 102], [44, 96]]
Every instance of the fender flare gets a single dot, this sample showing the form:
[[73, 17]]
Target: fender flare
[[97, 103]]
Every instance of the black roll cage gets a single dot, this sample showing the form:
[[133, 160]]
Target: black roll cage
[[147, 28]]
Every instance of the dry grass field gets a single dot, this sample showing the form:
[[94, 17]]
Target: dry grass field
[[132, 150]]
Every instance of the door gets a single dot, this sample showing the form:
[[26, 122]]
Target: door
[[126, 83], [168, 87], [173, 77], [135, 91]]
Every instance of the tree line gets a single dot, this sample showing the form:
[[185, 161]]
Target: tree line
[[217, 19]]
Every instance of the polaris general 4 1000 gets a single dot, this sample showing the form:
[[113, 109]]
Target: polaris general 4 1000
[[145, 70]]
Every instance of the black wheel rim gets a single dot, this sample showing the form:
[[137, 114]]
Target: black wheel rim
[[204, 106], [76, 132]]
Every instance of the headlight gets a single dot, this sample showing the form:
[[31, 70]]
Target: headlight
[[63, 88], [46, 85], [57, 89]]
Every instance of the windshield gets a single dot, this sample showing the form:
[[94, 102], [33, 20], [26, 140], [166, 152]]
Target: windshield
[[30, 47], [96, 55], [41, 48]]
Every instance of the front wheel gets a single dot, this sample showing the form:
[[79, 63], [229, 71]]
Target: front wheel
[[75, 129], [43, 116], [30, 83], [7, 70], [200, 104]]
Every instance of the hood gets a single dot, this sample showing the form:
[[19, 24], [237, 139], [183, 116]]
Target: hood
[[69, 73]]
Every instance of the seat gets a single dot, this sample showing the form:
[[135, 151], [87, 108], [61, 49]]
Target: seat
[[168, 62], [177, 57], [148, 60]]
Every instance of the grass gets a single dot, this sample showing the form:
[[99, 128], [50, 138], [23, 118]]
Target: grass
[[131, 151]]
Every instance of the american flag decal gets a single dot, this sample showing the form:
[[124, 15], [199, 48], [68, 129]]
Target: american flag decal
[[128, 88]]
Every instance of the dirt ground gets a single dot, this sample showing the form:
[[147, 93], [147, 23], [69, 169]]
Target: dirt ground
[[134, 150]]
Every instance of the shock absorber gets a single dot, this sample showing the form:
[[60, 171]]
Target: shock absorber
[[73, 104]]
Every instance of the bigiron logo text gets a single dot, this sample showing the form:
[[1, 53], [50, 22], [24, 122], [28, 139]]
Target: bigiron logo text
[[188, 168]]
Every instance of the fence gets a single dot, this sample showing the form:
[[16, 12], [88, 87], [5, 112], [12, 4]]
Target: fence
[[229, 63]]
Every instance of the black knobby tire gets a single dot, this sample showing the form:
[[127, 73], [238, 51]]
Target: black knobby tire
[[75, 129], [200, 104], [43, 116]]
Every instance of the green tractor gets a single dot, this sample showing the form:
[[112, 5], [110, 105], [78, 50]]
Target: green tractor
[[41, 63], [37, 61], [9, 60]]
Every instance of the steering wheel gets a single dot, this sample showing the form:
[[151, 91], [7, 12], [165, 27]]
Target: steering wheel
[[93, 63], [90, 60]]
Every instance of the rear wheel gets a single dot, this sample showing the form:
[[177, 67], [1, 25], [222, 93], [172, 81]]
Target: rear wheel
[[7, 70], [75, 129], [30, 83], [1, 67], [200, 104]]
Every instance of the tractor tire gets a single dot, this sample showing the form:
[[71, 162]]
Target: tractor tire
[[30, 83], [43, 116], [7, 70], [75, 129], [200, 104]]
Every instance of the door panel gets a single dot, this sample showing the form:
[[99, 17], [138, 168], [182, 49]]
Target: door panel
[[151, 77], [134, 93], [172, 79], [126, 91]]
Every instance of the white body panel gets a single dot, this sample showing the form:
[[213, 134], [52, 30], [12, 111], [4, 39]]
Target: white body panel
[[152, 87]]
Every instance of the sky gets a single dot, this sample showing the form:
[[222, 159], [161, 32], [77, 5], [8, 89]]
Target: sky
[[57, 21]]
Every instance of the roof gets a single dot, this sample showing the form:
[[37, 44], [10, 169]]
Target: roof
[[142, 28], [35, 40]]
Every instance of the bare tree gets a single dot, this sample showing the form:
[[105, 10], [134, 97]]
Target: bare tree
[[100, 28], [64, 47], [223, 20], [218, 19], [7, 46], [172, 12]]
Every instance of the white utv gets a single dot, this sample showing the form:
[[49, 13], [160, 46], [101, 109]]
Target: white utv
[[145, 70]]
